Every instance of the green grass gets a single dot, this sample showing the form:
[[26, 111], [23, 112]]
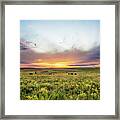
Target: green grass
[[60, 86]]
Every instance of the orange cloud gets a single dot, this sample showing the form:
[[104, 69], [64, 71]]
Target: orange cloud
[[67, 59]]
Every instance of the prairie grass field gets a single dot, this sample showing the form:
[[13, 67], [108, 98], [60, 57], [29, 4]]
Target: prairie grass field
[[60, 84]]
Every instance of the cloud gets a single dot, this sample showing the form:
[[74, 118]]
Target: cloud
[[80, 34], [94, 54], [75, 57], [25, 44]]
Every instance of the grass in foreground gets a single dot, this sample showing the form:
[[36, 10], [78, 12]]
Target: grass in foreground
[[60, 84]]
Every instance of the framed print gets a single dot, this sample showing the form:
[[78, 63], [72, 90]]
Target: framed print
[[60, 60]]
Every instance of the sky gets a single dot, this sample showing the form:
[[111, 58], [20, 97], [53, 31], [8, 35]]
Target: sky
[[59, 43]]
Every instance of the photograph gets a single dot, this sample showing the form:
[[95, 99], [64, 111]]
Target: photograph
[[60, 59]]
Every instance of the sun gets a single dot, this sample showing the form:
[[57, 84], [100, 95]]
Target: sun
[[56, 65], [52, 64], [60, 65]]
